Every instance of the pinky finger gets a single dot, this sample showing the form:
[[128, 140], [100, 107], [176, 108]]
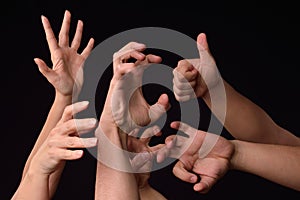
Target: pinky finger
[[86, 52]]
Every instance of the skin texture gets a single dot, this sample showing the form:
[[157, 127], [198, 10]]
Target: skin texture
[[67, 63], [277, 163], [58, 147], [130, 117], [246, 121]]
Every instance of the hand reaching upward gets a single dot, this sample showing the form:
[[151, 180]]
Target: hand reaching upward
[[66, 72]]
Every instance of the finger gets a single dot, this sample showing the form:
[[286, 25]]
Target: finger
[[140, 160], [156, 148], [133, 45], [184, 98], [202, 43], [44, 69], [73, 109], [184, 85], [162, 153], [182, 173], [76, 126], [185, 70], [160, 108], [153, 58], [148, 133], [64, 31], [131, 54], [87, 50], [205, 184], [185, 128], [50, 37], [73, 142], [78, 35], [124, 53], [183, 92], [66, 154]]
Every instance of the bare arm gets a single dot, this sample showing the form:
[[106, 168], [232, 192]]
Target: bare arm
[[244, 119], [277, 163], [67, 65], [247, 121]]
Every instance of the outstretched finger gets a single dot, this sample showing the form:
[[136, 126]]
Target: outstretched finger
[[44, 69], [73, 109], [159, 108], [64, 31], [185, 128], [78, 35], [50, 37], [180, 171], [87, 50]]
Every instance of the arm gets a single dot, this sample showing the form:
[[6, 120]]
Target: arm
[[67, 64], [244, 119], [277, 163], [59, 146], [117, 120]]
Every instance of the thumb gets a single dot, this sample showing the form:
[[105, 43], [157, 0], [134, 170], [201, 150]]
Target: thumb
[[44, 69], [158, 109], [202, 43]]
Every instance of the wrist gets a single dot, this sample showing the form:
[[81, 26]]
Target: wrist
[[237, 157], [61, 98]]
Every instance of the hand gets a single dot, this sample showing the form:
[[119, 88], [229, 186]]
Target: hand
[[125, 104], [61, 141], [144, 155], [66, 73], [195, 77], [211, 167]]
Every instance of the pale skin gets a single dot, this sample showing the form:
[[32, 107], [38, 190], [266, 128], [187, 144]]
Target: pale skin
[[244, 119], [277, 163], [58, 147], [65, 73], [141, 114]]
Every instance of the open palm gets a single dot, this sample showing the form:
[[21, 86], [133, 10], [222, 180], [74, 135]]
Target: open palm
[[66, 73]]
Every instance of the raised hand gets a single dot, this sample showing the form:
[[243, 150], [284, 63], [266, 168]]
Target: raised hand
[[125, 103], [210, 167], [195, 77], [66, 73]]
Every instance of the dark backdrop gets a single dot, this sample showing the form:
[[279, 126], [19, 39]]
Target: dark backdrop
[[256, 48]]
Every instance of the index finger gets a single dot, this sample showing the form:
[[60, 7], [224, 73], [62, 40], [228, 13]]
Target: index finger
[[190, 131], [51, 40]]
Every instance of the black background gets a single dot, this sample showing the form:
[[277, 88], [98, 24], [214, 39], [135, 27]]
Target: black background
[[256, 48]]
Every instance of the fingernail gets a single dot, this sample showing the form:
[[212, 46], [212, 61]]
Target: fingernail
[[193, 179], [92, 121], [78, 152]]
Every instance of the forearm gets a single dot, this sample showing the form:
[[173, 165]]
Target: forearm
[[33, 186], [113, 177], [249, 122], [55, 114], [277, 163]]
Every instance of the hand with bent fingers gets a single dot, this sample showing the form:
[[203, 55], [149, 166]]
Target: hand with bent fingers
[[66, 72], [127, 107], [63, 139], [210, 167], [195, 77]]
